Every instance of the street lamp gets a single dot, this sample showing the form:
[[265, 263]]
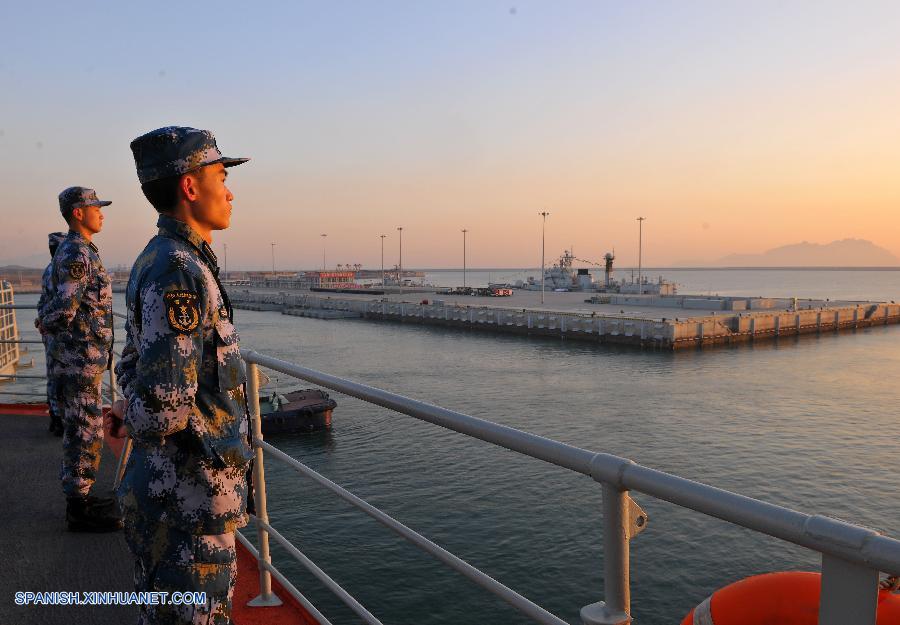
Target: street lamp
[[543, 214], [323, 251], [640, 221], [400, 271], [273, 261], [464, 256], [226, 262], [382, 260]]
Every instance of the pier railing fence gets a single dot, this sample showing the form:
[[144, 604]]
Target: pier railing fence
[[9, 332]]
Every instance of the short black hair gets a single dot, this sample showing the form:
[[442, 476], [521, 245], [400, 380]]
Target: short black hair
[[162, 193]]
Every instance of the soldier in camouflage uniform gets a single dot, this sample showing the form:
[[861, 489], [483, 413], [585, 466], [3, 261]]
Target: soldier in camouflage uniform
[[77, 317], [56, 427], [184, 491]]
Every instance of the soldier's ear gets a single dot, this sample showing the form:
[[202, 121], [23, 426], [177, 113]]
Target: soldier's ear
[[76, 215], [188, 186]]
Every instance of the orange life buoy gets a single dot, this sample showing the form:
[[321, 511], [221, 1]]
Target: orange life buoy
[[786, 598]]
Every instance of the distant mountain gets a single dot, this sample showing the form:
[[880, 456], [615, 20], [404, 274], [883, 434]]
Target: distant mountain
[[845, 253], [12, 268]]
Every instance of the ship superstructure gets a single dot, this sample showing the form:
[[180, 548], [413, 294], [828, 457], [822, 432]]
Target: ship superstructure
[[563, 277]]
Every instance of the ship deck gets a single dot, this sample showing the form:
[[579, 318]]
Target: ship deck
[[39, 555]]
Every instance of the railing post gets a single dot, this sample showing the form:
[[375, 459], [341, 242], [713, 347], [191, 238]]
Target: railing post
[[266, 597], [849, 593], [616, 517], [125, 452], [112, 379]]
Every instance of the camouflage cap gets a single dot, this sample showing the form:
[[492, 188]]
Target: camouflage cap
[[78, 197], [176, 150]]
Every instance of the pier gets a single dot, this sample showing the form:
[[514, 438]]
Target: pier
[[646, 321]]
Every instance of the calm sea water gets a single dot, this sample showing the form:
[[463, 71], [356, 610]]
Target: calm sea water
[[809, 423]]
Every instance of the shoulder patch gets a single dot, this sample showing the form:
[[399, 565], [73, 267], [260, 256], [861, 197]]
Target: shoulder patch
[[76, 269], [182, 310]]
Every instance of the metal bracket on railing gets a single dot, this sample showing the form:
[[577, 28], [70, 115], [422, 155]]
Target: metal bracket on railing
[[637, 518]]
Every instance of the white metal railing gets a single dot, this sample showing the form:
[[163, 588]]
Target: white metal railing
[[9, 350], [852, 556]]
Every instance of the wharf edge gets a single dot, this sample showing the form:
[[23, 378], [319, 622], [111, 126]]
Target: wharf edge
[[667, 334]]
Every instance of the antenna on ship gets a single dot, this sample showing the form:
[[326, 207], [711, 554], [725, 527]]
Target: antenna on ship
[[609, 258], [543, 238], [640, 221]]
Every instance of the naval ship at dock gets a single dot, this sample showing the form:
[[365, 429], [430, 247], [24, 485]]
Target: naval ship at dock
[[561, 276]]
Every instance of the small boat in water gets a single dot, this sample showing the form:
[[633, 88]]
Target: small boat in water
[[300, 411]]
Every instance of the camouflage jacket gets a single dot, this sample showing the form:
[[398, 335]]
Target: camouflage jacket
[[183, 377], [77, 310], [47, 284]]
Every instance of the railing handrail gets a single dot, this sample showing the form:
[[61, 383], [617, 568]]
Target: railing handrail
[[523, 604], [823, 534], [852, 556]]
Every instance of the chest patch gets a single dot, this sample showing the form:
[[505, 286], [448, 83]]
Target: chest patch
[[182, 310], [76, 270]]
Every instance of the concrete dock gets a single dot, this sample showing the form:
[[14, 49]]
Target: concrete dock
[[666, 323]]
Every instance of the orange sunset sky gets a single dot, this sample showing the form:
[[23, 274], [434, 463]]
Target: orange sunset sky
[[732, 129]]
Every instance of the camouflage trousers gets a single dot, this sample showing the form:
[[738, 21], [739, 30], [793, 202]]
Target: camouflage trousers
[[78, 401], [171, 560], [52, 403]]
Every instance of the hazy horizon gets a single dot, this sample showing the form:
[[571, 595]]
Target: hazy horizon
[[733, 129]]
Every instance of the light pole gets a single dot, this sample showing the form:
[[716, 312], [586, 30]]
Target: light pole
[[323, 251], [382, 260], [400, 270], [226, 262], [543, 214], [640, 221], [464, 256], [273, 261]]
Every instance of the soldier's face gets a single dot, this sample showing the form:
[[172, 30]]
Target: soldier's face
[[212, 206], [90, 218]]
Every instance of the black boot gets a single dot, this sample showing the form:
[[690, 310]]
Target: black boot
[[103, 504], [81, 516], [56, 426]]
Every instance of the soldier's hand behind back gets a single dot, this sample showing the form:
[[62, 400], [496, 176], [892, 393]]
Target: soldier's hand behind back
[[113, 421]]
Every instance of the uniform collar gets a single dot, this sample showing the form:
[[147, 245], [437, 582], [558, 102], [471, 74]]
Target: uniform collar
[[172, 227], [80, 238]]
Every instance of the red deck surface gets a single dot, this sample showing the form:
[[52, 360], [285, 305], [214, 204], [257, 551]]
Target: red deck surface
[[290, 612], [26, 409]]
